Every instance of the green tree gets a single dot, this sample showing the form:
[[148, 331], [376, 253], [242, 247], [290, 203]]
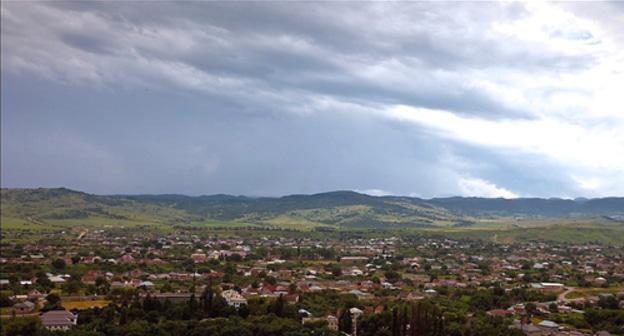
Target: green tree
[[166, 288], [345, 324], [59, 264], [5, 301], [53, 298], [21, 326], [392, 276], [530, 309], [71, 287], [278, 306]]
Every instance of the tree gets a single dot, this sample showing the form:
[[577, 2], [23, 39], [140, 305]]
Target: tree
[[345, 324], [166, 288], [5, 301], [243, 311], [336, 270], [278, 307], [53, 299], [396, 329], [91, 290], [608, 302], [71, 287], [553, 308], [530, 308], [102, 285], [21, 326], [58, 264], [43, 282], [270, 280], [206, 299], [193, 303], [392, 276], [426, 320]]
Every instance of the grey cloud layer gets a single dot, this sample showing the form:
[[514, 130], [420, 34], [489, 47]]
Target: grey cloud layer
[[269, 98]]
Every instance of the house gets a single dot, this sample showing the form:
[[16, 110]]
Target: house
[[146, 284], [198, 257], [90, 276], [599, 281], [23, 307], [360, 294], [548, 286], [35, 295], [355, 272], [58, 320], [126, 259], [56, 279], [548, 324], [411, 296], [499, 312], [431, 292], [233, 298]]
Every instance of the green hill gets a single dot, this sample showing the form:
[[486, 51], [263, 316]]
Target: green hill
[[32, 210], [40, 209]]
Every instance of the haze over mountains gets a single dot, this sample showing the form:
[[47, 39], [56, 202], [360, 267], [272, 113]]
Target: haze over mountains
[[336, 209]]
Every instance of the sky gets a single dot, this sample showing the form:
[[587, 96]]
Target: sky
[[272, 98]]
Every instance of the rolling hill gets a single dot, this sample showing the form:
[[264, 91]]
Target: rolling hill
[[42, 208]]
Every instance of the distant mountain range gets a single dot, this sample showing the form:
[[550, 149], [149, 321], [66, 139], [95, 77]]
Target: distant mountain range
[[338, 208]]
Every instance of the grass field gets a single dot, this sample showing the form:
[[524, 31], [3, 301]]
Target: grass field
[[69, 305], [293, 223], [98, 222], [584, 292], [6, 310], [12, 223], [220, 224]]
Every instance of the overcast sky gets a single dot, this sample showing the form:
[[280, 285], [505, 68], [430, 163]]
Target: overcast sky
[[422, 99]]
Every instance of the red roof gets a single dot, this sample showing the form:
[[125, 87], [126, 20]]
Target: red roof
[[498, 312]]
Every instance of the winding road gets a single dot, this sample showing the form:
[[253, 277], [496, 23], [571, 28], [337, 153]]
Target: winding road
[[562, 296]]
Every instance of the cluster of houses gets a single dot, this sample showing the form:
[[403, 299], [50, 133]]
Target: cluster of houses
[[357, 267]]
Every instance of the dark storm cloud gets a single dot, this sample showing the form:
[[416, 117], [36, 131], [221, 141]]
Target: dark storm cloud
[[269, 98], [308, 46]]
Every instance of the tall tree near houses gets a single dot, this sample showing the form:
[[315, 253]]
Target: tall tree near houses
[[396, 329], [404, 322], [426, 320], [278, 309], [207, 298], [193, 303], [345, 324]]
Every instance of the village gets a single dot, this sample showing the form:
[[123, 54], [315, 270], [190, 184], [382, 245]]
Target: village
[[537, 288]]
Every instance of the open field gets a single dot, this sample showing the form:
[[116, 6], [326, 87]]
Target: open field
[[585, 292], [220, 224], [69, 305]]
